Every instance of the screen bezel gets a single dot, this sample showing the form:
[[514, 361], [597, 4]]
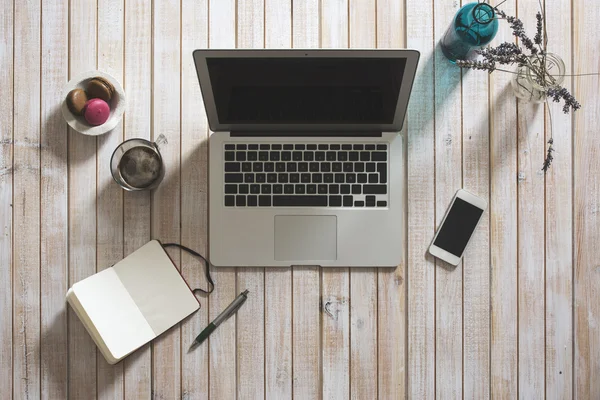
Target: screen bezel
[[442, 253], [411, 56]]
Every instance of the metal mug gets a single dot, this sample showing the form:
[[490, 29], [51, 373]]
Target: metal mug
[[136, 164]]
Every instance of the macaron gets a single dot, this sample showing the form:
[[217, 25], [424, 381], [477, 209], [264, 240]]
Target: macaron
[[100, 88], [76, 100], [96, 112]]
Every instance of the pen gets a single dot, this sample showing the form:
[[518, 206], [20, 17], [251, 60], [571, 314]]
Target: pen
[[228, 312]]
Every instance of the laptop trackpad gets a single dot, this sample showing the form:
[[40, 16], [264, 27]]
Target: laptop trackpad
[[305, 237]]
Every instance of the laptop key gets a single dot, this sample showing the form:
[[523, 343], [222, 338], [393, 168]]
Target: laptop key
[[252, 147], [339, 178], [346, 147], [382, 203], [330, 156], [317, 178], [355, 189], [342, 156], [361, 178], [234, 178], [328, 178], [240, 156], [300, 201], [264, 201], [240, 200], [230, 189], [255, 189], [232, 167], [353, 156], [280, 167], [374, 189], [305, 178], [373, 178], [263, 155], [243, 189], [382, 147], [313, 167], [230, 147], [348, 167], [370, 167], [269, 167], [274, 156], [303, 167], [348, 201], [345, 189], [252, 156], [300, 189], [295, 178], [325, 167], [365, 156], [359, 167], [309, 156], [288, 147], [249, 178], [275, 147], [229, 156], [382, 169], [358, 147], [311, 189], [288, 189], [257, 167], [370, 201], [334, 146], [311, 147], [229, 201], [334, 189], [369, 147], [282, 178], [246, 167], [320, 156], [261, 178], [265, 146], [379, 156], [272, 178], [286, 156], [277, 189], [350, 178], [359, 203], [323, 147], [265, 189], [292, 167], [297, 156], [300, 147], [322, 189], [335, 201], [251, 201], [336, 167]]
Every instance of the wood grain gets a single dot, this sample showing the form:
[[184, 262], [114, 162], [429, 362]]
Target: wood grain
[[448, 178], [586, 202], [251, 319], [6, 196], [476, 261], [82, 203], [278, 281], [391, 283], [222, 359], [335, 282], [109, 206], [559, 217], [26, 201], [54, 193], [363, 281], [136, 205], [194, 199], [503, 228], [421, 216]]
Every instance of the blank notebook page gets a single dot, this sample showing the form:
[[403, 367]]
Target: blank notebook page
[[138, 299]]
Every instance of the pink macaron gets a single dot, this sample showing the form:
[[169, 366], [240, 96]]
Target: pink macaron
[[96, 112]]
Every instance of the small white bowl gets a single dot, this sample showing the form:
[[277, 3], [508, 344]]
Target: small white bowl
[[117, 105]]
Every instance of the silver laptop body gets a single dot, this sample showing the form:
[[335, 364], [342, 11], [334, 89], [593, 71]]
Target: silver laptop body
[[306, 166]]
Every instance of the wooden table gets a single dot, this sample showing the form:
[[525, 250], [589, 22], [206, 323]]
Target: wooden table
[[519, 318]]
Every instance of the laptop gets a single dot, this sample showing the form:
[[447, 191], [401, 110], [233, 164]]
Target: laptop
[[306, 165]]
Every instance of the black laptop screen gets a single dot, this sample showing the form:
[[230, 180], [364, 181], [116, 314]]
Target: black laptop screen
[[306, 90]]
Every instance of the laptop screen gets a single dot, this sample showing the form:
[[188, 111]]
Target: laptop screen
[[306, 90]]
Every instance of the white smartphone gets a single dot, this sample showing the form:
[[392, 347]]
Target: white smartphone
[[460, 221]]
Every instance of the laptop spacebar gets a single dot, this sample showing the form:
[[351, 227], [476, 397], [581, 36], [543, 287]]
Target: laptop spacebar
[[299, 201]]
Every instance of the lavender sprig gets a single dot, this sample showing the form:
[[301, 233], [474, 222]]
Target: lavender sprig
[[549, 156], [489, 66], [539, 28], [558, 93], [517, 27]]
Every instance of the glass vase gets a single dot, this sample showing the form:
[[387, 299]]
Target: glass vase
[[473, 26], [531, 82]]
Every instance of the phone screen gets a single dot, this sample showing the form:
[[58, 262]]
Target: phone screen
[[458, 227]]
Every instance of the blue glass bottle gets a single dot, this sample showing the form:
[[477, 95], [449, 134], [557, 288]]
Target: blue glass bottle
[[474, 26]]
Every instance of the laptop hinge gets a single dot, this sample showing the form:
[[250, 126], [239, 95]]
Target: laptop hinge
[[306, 134]]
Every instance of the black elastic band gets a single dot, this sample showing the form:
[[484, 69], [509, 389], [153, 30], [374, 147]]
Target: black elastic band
[[211, 284]]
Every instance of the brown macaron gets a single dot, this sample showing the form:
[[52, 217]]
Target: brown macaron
[[76, 100], [100, 88]]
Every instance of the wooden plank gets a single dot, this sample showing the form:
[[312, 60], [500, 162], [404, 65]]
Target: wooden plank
[[306, 345], [503, 227], [6, 195], [476, 262], [166, 212], [136, 205], [26, 202], [222, 349], [54, 212], [194, 199], [530, 230], [421, 217], [335, 282], [109, 197], [363, 281], [586, 199], [278, 281], [559, 220], [251, 319], [448, 179]]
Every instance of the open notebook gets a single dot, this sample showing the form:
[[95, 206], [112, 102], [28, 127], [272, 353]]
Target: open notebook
[[131, 303]]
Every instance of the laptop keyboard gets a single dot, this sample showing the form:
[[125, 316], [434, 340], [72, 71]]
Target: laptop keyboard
[[306, 175]]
